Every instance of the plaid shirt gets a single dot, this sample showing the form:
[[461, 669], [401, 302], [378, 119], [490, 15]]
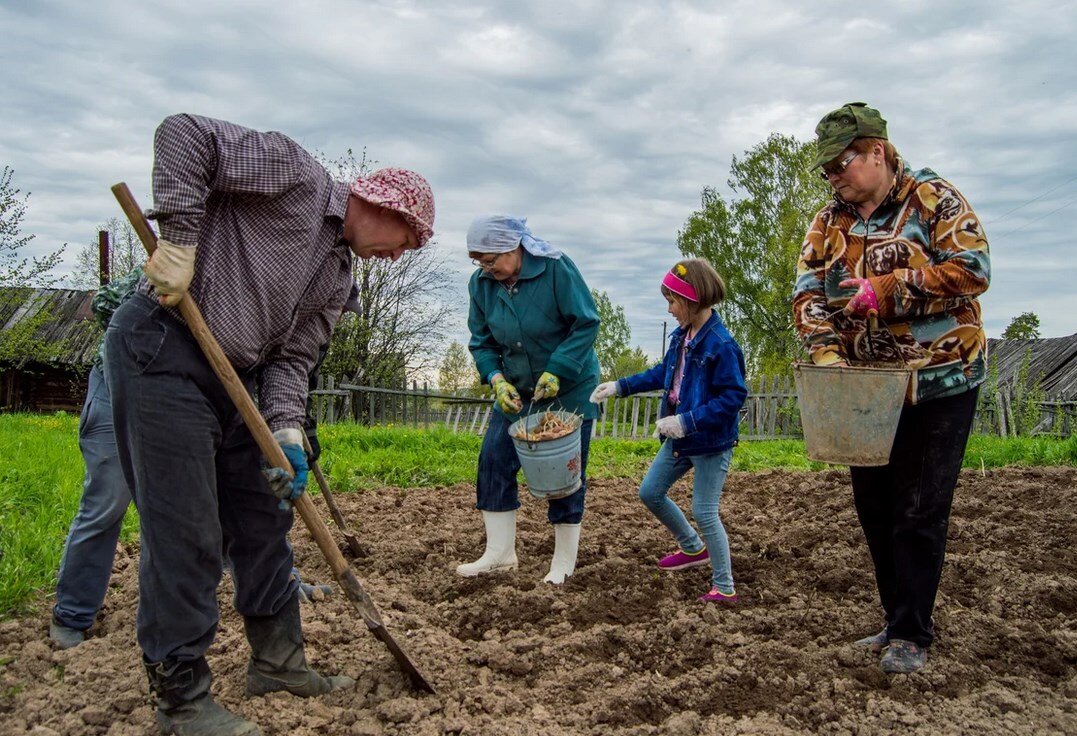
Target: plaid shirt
[[271, 273]]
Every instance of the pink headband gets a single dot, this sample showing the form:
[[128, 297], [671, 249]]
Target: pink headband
[[677, 285]]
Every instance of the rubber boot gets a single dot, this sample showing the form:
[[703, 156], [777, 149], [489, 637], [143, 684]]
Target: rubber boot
[[64, 636], [277, 658], [566, 544], [500, 551], [184, 705]]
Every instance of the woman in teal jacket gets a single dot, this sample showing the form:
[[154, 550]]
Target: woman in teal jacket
[[533, 327]]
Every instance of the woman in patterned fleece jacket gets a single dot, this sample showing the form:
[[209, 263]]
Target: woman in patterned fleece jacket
[[906, 245]]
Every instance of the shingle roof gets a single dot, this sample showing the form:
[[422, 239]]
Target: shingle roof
[[68, 326], [1053, 362]]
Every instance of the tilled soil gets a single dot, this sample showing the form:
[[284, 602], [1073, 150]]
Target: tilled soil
[[623, 648]]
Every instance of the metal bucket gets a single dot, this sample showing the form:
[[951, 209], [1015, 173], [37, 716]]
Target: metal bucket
[[850, 414], [551, 467]]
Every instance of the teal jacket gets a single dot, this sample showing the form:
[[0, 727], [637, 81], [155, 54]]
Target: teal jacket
[[547, 321]]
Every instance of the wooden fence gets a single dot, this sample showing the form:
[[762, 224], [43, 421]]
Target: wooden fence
[[769, 412]]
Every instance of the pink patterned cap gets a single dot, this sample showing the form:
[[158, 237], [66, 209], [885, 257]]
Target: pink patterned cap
[[403, 191]]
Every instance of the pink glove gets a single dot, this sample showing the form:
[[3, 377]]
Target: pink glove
[[864, 300]]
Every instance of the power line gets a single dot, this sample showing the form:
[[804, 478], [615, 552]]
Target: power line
[[1034, 199], [1037, 219]]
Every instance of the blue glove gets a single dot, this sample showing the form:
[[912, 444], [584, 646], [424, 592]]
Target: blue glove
[[285, 488], [310, 591]]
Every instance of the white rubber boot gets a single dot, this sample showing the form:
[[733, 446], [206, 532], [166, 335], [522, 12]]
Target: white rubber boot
[[500, 551], [566, 543]]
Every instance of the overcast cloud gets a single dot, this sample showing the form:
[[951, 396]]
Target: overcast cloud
[[600, 121]]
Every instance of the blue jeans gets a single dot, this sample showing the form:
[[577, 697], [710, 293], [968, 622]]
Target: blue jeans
[[194, 471], [496, 486], [710, 476], [86, 563]]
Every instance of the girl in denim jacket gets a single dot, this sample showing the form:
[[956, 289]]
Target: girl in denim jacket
[[702, 376]]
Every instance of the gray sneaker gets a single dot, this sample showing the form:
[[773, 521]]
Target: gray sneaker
[[903, 657], [64, 636], [876, 642]]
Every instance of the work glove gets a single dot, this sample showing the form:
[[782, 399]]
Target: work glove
[[170, 270], [508, 398], [547, 387], [671, 427], [308, 592], [603, 391], [288, 489], [864, 301]]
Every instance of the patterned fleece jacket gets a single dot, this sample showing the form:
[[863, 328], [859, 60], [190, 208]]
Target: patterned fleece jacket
[[925, 253]]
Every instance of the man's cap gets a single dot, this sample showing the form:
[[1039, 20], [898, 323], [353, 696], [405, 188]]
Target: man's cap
[[841, 127], [404, 191]]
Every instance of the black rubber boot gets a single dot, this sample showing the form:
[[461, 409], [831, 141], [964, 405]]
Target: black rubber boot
[[184, 705], [277, 658]]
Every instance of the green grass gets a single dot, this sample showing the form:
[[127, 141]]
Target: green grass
[[40, 486], [41, 478]]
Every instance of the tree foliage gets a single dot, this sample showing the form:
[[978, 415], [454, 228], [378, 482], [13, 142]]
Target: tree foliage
[[126, 253], [15, 268], [457, 370], [614, 332], [629, 363], [754, 238], [1025, 326], [404, 308], [615, 356]]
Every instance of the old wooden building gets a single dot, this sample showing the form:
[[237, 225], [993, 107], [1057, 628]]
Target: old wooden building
[[1052, 363], [48, 339]]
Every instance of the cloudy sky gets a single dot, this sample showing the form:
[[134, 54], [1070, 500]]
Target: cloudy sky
[[600, 121]]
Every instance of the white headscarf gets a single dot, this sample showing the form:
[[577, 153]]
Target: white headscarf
[[502, 233]]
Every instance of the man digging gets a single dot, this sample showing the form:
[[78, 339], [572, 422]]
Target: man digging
[[262, 238]]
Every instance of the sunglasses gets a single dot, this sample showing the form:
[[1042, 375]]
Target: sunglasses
[[837, 169]]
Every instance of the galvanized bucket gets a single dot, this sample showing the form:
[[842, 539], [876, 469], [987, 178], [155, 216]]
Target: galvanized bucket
[[551, 467], [850, 414]]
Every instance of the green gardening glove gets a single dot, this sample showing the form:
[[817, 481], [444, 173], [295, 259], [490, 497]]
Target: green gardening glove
[[547, 387], [508, 398]]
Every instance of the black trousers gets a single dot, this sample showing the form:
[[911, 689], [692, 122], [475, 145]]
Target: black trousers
[[904, 510], [195, 474]]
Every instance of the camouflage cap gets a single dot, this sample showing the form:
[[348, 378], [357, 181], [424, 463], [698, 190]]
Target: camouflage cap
[[841, 127]]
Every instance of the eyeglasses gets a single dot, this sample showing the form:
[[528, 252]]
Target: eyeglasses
[[487, 265], [837, 169]]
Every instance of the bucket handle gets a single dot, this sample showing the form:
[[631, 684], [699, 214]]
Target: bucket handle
[[873, 326]]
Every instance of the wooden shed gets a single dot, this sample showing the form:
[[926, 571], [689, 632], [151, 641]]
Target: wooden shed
[[1053, 363], [48, 340]]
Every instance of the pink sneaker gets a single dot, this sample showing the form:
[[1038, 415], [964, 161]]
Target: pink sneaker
[[682, 560], [717, 596]]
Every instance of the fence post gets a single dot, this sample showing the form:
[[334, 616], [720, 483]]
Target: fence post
[[331, 414]]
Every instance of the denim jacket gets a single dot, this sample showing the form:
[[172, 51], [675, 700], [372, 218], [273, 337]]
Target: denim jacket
[[712, 388]]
